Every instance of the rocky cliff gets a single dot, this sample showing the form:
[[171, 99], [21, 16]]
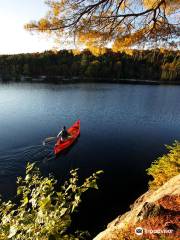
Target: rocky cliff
[[154, 215]]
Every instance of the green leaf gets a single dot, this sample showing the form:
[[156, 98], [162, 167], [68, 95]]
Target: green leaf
[[12, 232], [29, 167], [63, 211], [25, 201], [99, 172], [45, 202], [28, 177], [19, 191]]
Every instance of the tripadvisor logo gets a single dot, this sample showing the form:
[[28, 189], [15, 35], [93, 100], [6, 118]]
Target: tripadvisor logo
[[139, 231]]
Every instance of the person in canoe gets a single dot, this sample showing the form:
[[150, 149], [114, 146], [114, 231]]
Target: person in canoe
[[63, 134]]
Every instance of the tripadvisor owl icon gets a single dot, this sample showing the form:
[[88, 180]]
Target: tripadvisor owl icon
[[139, 231]]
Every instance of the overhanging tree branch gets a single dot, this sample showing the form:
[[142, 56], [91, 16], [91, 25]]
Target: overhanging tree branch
[[109, 19]]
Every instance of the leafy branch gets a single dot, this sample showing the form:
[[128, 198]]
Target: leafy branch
[[43, 212]]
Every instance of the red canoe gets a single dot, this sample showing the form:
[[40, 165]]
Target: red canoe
[[74, 131]]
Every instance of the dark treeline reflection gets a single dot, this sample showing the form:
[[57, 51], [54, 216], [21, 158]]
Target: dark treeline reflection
[[84, 66]]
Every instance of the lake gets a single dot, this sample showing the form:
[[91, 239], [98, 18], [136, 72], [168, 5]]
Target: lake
[[123, 129]]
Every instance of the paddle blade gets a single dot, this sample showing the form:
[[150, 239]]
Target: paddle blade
[[49, 139]]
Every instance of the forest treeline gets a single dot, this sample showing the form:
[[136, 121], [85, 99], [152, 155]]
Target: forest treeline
[[84, 66]]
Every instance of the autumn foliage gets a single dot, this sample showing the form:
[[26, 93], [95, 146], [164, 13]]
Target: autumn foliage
[[122, 23], [165, 167]]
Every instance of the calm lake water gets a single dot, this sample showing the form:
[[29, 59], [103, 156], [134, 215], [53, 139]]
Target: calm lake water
[[123, 129]]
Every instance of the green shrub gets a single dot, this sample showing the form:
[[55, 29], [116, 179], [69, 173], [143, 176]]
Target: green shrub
[[43, 213], [165, 167]]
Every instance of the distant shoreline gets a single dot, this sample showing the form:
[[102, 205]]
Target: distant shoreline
[[141, 67], [74, 80]]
